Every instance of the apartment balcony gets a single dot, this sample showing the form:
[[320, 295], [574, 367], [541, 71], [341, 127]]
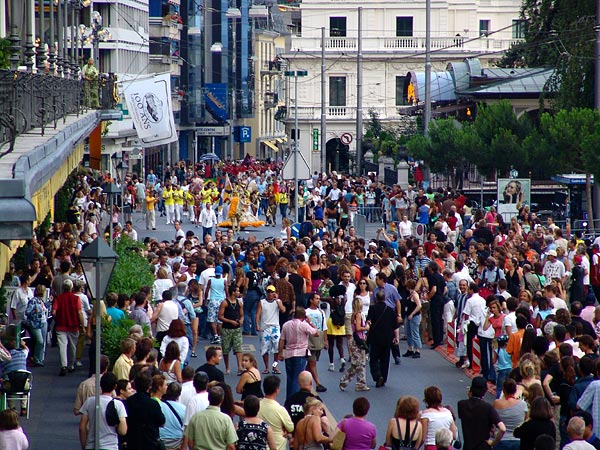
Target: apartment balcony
[[342, 113], [451, 44]]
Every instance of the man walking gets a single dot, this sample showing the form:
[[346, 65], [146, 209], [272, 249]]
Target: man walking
[[68, 321], [294, 339], [208, 220]]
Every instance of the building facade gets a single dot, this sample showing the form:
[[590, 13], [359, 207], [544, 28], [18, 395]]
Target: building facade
[[393, 44]]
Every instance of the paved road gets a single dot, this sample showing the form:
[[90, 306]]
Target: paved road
[[53, 425]]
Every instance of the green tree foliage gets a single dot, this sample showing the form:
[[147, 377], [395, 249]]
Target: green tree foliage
[[64, 197], [447, 146], [559, 34], [4, 53], [570, 138], [132, 270]]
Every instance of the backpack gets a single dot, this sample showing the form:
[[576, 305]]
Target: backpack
[[111, 415], [306, 228], [338, 315], [255, 281]]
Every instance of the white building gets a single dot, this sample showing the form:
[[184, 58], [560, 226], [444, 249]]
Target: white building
[[393, 43], [126, 54]]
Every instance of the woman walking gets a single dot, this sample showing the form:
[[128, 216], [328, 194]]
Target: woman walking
[[357, 349], [412, 323]]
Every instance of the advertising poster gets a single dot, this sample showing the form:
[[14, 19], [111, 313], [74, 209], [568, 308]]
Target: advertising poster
[[513, 193]]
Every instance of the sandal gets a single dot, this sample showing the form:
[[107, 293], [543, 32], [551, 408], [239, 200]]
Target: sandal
[[240, 372], [276, 371], [265, 372], [194, 355]]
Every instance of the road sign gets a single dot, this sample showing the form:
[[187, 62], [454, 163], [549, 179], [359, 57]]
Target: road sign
[[209, 130], [315, 139], [346, 138], [303, 169], [242, 134]]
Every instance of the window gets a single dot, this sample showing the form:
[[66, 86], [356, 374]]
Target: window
[[337, 91], [400, 95], [337, 27], [404, 26], [484, 27], [518, 29]]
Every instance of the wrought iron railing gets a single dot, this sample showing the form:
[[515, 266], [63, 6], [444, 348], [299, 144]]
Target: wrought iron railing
[[29, 101]]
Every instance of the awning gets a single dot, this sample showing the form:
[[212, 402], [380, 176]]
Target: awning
[[284, 139], [279, 140], [272, 145]]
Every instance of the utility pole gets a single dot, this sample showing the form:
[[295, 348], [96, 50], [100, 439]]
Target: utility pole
[[359, 107], [323, 107], [296, 138], [427, 111]]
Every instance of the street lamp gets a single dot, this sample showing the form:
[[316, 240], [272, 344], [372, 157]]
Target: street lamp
[[98, 262], [296, 74], [110, 189]]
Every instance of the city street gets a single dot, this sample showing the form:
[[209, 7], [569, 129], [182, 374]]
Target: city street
[[53, 425]]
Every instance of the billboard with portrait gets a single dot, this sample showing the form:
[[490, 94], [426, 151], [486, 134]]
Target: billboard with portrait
[[513, 193]]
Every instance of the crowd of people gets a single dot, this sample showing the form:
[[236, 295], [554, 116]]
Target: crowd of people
[[521, 291]]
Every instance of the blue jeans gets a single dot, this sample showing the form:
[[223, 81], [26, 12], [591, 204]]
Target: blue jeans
[[413, 338], [283, 210], [202, 328], [301, 210], [293, 367], [487, 367], [205, 231], [188, 331], [263, 206], [250, 305], [506, 444], [332, 225], [501, 377], [39, 334]]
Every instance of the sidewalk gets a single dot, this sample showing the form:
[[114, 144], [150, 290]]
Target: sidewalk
[[52, 424]]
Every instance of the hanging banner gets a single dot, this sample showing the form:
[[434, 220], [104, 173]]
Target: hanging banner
[[149, 104], [215, 100]]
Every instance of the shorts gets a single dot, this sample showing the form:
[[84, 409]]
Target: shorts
[[348, 324], [213, 311], [269, 339], [231, 338], [314, 355]]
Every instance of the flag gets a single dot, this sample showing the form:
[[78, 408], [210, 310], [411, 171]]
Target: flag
[[149, 103], [227, 189]]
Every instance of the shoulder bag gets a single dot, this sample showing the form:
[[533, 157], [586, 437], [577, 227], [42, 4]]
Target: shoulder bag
[[339, 438]]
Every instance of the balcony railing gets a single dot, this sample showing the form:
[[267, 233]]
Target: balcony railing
[[35, 101], [345, 112], [409, 43]]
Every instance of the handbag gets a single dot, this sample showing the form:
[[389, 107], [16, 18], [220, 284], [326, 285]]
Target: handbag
[[316, 343], [360, 342], [339, 438]]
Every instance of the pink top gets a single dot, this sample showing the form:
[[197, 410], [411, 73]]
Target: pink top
[[14, 439], [295, 333]]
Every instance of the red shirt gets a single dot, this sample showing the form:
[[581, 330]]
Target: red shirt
[[429, 247], [66, 312]]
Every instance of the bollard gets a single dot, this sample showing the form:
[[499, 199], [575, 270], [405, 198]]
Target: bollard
[[476, 363], [450, 337]]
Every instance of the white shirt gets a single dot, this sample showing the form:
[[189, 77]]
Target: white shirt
[[208, 218], [334, 194], [475, 309], [197, 403], [349, 297], [405, 228], [558, 303], [187, 392]]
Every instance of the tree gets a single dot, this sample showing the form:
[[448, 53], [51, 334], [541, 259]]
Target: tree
[[446, 147], [571, 138], [501, 134], [132, 270], [559, 34]]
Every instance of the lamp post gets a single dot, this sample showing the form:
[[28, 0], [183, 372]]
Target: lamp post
[[98, 262], [110, 189], [296, 74]]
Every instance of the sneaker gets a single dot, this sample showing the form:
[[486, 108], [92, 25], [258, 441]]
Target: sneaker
[[408, 353], [321, 388], [79, 364], [342, 387], [397, 360], [416, 355], [343, 365], [362, 388], [331, 367], [63, 371], [71, 369], [215, 340], [465, 365]]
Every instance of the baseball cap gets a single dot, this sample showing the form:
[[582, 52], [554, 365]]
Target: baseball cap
[[551, 253], [271, 288], [218, 270]]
